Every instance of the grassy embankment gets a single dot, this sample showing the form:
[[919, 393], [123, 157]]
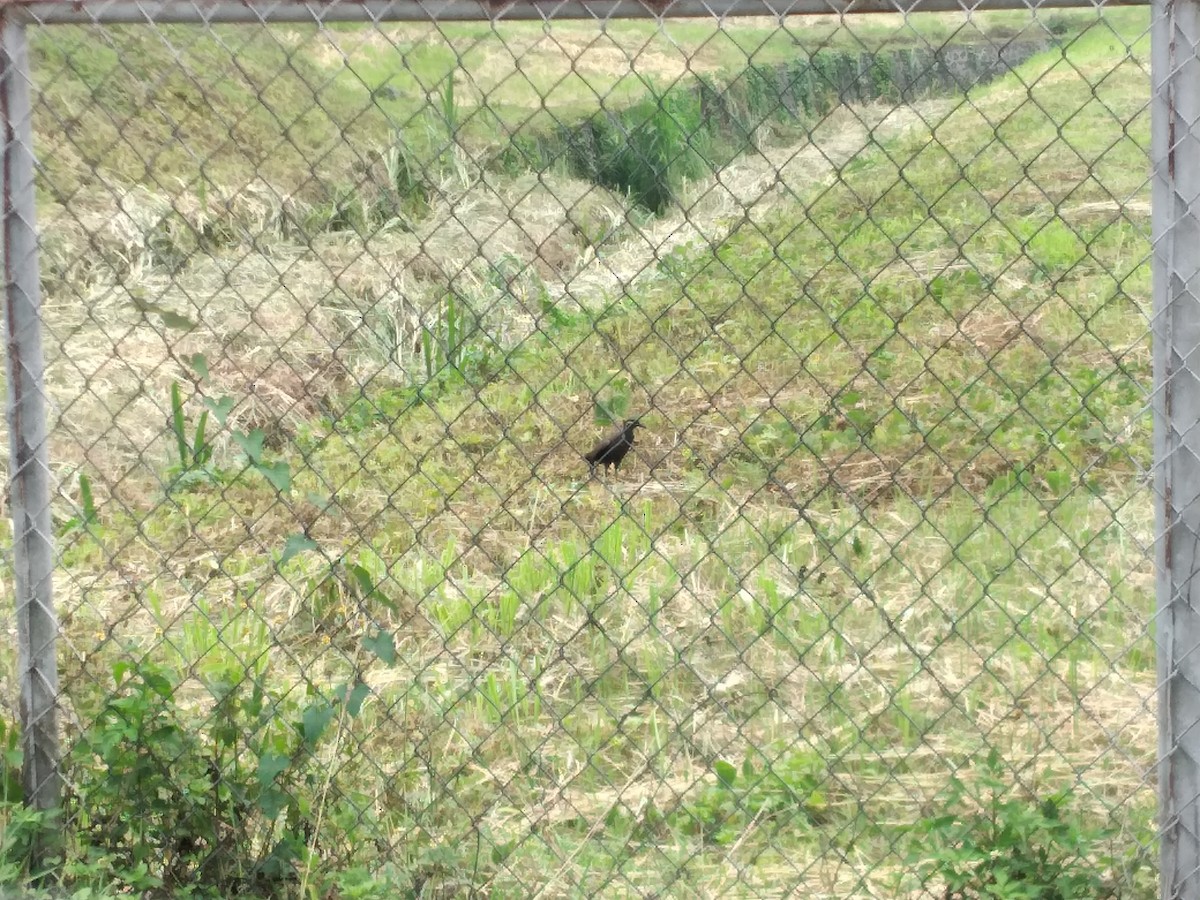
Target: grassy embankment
[[888, 510]]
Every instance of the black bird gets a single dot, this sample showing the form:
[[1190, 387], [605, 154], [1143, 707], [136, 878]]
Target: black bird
[[611, 450]]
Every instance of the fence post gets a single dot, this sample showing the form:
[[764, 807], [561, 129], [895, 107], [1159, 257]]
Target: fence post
[[1175, 134], [33, 552]]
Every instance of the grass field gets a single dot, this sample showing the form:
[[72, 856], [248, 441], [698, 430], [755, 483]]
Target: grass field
[[889, 510]]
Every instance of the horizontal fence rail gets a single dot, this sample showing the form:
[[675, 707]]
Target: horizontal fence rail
[[120, 12]]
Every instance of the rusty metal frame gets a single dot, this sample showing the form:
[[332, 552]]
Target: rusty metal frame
[[29, 472], [109, 12], [1175, 133]]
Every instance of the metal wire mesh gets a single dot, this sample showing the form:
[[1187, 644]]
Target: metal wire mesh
[[332, 316]]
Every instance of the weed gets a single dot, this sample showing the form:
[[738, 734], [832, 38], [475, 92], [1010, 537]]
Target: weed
[[442, 344], [88, 518], [218, 802], [613, 402], [406, 196], [782, 794], [192, 447], [991, 844]]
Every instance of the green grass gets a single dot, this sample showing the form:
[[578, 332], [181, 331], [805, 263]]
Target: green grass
[[297, 108], [888, 511]]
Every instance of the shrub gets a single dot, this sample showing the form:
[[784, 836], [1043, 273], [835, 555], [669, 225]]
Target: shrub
[[1016, 848]]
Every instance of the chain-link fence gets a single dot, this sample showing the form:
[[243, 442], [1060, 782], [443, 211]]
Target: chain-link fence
[[348, 605]]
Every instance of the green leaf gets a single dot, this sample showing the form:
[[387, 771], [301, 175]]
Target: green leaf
[[158, 683], [355, 701], [451, 330], [612, 410], [220, 408], [367, 588], [175, 320], [382, 645], [86, 499], [272, 802], [201, 450], [251, 444], [861, 420], [501, 852], [279, 474], [199, 364], [138, 296], [296, 544], [726, 773], [321, 502], [427, 351], [365, 582], [1059, 481], [270, 766], [169, 318], [316, 719], [179, 426]]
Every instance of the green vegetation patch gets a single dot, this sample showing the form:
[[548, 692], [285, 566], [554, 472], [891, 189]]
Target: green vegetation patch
[[345, 616]]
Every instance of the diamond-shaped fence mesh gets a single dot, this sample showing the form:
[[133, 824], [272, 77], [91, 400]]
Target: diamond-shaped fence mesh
[[333, 317]]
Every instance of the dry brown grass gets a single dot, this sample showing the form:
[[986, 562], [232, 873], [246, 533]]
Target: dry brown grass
[[283, 326]]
